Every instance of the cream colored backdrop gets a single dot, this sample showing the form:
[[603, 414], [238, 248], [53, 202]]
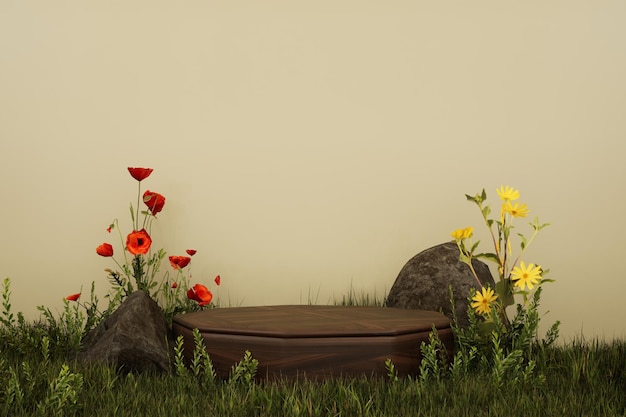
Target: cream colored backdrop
[[306, 148]]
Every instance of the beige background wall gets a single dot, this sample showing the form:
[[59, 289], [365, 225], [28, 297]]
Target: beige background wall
[[305, 148]]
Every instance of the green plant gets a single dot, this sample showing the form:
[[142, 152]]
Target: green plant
[[13, 392], [201, 365], [433, 365], [67, 330], [92, 315], [515, 278], [244, 371], [360, 299], [50, 335], [504, 363], [139, 265], [6, 318], [62, 396], [500, 338], [179, 357], [392, 372], [461, 364]]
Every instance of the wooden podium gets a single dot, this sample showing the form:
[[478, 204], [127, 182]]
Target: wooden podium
[[309, 341]]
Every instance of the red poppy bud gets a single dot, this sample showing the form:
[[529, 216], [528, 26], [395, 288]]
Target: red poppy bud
[[105, 250], [218, 280], [191, 252], [138, 242], [73, 297], [140, 174], [154, 201], [174, 285]]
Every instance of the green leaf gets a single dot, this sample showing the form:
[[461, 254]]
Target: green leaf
[[464, 258], [505, 292], [489, 256], [486, 211], [524, 242], [536, 226], [474, 246], [485, 328], [478, 198], [470, 198], [523, 292]]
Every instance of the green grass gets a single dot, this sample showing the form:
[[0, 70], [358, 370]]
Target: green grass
[[581, 379], [40, 377]]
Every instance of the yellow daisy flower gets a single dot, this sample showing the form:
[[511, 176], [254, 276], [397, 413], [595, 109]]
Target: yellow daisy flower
[[526, 276], [461, 234], [507, 193], [482, 300], [517, 210]]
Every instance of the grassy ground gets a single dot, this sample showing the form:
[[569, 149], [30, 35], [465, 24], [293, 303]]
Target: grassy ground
[[39, 377], [581, 379]]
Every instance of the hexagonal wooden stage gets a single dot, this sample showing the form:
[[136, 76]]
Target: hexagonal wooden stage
[[314, 341]]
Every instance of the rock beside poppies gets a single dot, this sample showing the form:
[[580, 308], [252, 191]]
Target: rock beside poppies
[[133, 338], [424, 282]]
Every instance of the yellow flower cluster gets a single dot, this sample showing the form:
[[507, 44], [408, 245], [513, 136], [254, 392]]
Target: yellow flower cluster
[[461, 234], [523, 276], [507, 195]]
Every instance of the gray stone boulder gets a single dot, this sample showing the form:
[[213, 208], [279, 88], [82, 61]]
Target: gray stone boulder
[[424, 282], [133, 338]]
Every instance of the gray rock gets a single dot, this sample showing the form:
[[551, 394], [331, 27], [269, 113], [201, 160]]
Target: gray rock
[[133, 338], [424, 282]]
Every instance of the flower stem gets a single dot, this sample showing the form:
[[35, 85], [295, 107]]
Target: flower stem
[[474, 272], [137, 209], [466, 258], [119, 232], [525, 247]]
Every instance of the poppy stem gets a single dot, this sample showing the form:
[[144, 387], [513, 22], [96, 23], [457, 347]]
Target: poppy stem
[[137, 216], [119, 231]]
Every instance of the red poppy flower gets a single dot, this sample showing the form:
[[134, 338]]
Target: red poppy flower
[[201, 294], [105, 250], [73, 297], [218, 280], [174, 285], [138, 242], [154, 201], [140, 174], [191, 252], [179, 262]]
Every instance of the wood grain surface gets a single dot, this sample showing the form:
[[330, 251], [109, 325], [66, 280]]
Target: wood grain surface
[[314, 341]]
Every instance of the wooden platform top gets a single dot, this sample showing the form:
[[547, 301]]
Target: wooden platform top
[[298, 321]]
